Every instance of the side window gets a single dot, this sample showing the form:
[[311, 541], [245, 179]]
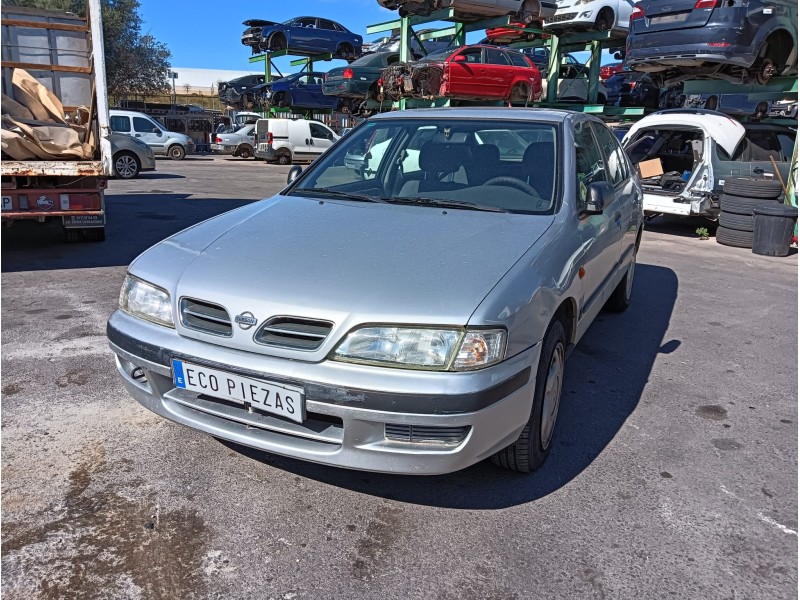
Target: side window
[[617, 168], [786, 141], [303, 80], [589, 164], [496, 57], [320, 132], [120, 124], [473, 55], [325, 24], [519, 60], [141, 125]]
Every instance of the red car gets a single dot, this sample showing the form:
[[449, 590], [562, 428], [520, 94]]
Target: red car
[[607, 71], [516, 32], [466, 73]]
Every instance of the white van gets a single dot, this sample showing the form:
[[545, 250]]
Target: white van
[[151, 132], [286, 141]]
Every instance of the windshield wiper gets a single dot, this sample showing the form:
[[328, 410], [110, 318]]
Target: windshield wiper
[[445, 204], [336, 193]]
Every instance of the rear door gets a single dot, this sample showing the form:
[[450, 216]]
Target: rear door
[[499, 73], [601, 234]]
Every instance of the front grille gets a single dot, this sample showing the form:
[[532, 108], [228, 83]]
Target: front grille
[[560, 18], [294, 332], [421, 434], [206, 317]]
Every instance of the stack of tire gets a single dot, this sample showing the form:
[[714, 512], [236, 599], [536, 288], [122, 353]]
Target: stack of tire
[[740, 197]]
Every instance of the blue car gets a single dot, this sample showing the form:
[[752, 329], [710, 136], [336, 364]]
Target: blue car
[[302, 35], [301, 90]]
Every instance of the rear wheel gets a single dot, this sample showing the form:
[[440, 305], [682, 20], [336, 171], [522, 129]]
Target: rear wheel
[[245, 151], [126, 165], [620, 298], [530, 450], [346, 52], [176, 152], [520, 92], [284, 158]]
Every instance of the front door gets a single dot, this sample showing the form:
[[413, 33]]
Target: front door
[[466, 75], [152, 135], [322, 138]]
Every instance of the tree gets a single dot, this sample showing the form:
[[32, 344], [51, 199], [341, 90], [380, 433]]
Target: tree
[[135, 63]]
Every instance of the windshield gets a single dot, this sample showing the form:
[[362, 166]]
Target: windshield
[[480, 164]]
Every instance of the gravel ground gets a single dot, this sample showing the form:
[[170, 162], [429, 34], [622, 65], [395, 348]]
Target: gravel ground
[[673, 474]]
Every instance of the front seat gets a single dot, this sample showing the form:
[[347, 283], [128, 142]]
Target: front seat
[[538, 168], [437, 163]]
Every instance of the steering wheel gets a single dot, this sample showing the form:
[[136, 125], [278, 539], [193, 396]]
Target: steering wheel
[[520, 185]]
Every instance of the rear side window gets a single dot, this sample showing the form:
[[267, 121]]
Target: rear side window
[[617, 166], [518, 60], [120, 124], [325, 24], [590, 166], [496, 57]]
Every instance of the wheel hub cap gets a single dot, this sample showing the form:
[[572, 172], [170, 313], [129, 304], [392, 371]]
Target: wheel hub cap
[[552, 395]]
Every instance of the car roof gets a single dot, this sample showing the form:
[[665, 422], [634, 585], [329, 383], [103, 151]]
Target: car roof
[[548, 115]]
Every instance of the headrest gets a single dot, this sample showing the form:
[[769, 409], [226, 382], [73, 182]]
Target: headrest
[[442, 158], [488, 153], [538, 152]]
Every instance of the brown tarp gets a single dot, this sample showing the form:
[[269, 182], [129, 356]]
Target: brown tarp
[[34, 126]]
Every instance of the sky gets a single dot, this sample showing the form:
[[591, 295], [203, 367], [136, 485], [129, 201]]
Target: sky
[[206, 34]]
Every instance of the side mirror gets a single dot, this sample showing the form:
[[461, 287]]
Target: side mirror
[[294, 173], [157, 131], [460, 58], [619, 55], [601, 194]]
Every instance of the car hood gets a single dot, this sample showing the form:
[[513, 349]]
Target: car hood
[[726, 132], [343, 261], [259, 23]]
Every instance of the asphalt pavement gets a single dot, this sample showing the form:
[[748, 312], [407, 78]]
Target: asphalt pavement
[[673, 472]]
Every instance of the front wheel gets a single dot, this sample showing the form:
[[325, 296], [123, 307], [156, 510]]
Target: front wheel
[[533, 445], [176, 152], [605, 20]]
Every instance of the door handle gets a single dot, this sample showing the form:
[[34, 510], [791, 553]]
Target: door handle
[[617, 216], [138, 135], [758, 171]]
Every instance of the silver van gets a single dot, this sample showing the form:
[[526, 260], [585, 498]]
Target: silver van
[[151, 132]]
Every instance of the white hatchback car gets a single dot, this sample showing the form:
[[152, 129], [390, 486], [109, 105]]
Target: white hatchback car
[[601, 15]]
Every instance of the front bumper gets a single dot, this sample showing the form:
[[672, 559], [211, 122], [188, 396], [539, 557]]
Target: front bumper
[[346, 418], [575, 17]]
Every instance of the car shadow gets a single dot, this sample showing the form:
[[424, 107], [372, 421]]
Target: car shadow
[[157, 175], [606, 376], [134, 223], [681, 226]]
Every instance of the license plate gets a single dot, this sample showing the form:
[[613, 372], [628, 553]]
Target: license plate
[[77, 221], [679, 18], [216, 147], [275, 398], [7, 203]]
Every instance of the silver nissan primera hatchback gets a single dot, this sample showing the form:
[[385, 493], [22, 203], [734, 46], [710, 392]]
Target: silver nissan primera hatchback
[[412, 315]]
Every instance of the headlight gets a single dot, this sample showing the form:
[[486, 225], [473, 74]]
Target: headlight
[[146, 301], [579, 2], [421, 348]]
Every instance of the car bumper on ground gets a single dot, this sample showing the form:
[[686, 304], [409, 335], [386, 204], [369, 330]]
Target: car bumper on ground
[[457, 419]]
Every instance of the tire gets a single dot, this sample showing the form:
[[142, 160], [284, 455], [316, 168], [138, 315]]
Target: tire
[[605, 20], [284, 158], [245, 152], [620, 298], [751, 187], [740, 205], [284, 100], [176, 152], [529, 452], [520, 92], [735, 238], [735, 221], [345, 52], [126, 165]]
